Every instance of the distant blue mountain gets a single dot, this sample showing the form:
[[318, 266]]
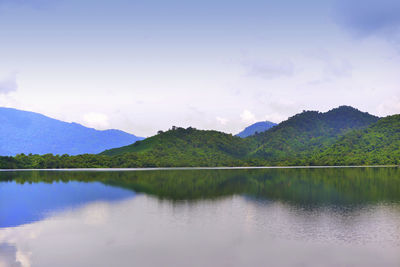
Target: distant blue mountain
[[259, 127], [29, 132]]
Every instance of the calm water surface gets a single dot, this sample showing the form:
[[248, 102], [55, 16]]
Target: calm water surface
[[239, 217]]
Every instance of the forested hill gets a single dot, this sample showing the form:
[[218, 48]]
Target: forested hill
[[29, 132], [377, 144], [342, 136], [257, 127], [187, 147], [292, 141], [307, 133]]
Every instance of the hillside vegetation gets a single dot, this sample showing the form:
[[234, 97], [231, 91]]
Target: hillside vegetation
[[187, 147], [308, 133], [342, 136], [378, 144]]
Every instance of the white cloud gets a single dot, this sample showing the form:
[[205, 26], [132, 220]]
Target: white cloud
[[96, 120], [8, 255], [248, 117], [9, 84], [221, 120], [391, 106]]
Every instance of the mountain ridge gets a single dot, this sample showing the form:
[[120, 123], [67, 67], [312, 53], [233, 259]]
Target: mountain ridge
[[299, 137], [257, 127], [30, 132], [308, 132], [188, 146], [341, 136]]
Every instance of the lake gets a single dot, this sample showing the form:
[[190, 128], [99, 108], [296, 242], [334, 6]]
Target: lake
[[201, 217]]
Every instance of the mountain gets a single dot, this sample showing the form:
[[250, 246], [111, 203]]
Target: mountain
[[186, 147], [29, 132], [341, 136], [307, 133], [257, 127], [293, 141], [377, 144]]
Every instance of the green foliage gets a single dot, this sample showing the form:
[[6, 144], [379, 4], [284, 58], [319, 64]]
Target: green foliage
[[342, 136], [308, 133], [50, 161], [187, 147], [379, 144]]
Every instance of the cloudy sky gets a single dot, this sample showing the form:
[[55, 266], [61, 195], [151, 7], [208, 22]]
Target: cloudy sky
[[143, 66]]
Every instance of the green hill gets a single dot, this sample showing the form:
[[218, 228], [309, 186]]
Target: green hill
[[186, 147], [293, 142], [341, 136], [377, 144], [307, 133]]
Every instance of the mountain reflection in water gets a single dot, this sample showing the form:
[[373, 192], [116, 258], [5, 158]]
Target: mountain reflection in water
[[232, 217]]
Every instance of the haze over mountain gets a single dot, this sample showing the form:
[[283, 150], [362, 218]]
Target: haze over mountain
[[29, 132], [257, 127]]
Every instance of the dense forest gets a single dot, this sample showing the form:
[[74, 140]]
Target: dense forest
[[342, 136], [307, 133], [378, 144]]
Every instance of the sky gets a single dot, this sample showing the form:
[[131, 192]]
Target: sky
[[144, 66]]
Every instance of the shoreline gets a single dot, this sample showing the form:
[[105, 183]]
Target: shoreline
[[200, 168]]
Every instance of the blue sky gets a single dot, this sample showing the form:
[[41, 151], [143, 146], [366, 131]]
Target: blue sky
[[143, 66]]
